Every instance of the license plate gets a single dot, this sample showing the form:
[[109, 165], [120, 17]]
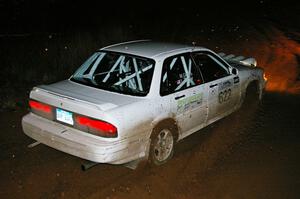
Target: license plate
[[64, 116]]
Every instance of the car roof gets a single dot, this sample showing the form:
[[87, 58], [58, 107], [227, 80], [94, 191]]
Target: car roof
[[148, 48]]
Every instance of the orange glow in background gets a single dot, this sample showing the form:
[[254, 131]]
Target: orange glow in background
[[281, 65], [276, 53]]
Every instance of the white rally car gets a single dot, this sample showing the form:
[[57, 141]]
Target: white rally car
[[137, 99]]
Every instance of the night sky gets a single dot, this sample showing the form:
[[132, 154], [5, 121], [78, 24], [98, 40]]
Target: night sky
[[23, 16]]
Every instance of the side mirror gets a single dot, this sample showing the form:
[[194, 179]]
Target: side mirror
[[234, 71]]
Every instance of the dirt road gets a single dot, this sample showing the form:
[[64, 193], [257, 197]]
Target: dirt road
[[247, 155], [235, 158]]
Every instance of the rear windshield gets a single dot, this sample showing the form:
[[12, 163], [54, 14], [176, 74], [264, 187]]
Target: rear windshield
[[122, 73]]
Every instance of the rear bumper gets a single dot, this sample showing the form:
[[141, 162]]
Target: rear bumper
[[81, 144]]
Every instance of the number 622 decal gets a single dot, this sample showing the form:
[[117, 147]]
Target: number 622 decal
[[224, 95]]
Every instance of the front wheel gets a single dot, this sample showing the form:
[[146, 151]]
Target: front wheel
[[251, 99], [162, 146]]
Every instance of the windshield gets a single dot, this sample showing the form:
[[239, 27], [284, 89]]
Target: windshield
[[116, 72]]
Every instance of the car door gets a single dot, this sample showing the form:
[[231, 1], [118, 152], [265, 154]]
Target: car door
[[221, 86], [182, 85]]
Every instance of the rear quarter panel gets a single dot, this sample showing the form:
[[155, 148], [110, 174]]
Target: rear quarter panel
[[137, 119]]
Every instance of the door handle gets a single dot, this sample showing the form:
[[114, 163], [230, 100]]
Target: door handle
[[178, 97], [236, 79], [213, 85]]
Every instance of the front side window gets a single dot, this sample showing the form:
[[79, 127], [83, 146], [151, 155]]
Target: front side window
[[122, 73], [210, 67], [179, 73]]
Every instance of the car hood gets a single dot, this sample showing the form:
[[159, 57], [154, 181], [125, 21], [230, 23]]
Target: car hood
[[105, 100]]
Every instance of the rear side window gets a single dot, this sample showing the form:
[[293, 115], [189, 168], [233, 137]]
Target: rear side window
[[179, 72], [211, 68], [117, 72]]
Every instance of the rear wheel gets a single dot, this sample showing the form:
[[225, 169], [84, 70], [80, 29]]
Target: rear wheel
[[162, 145]]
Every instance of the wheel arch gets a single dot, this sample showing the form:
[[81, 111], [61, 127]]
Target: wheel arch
[[253, 84], [251, 88], [170, 122]]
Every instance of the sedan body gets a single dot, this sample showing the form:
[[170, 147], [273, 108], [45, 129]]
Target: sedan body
[[136, 99]]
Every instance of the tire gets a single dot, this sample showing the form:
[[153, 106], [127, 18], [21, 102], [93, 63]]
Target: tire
[[162, 144], [251, 99], [251, 102]]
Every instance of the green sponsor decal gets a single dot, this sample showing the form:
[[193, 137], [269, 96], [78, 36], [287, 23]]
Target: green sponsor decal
[[189, 102]]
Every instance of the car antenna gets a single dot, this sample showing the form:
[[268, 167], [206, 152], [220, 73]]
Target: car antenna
[[194, 44]]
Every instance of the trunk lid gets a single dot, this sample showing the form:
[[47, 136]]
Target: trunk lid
[[81, 99], [105, 100]]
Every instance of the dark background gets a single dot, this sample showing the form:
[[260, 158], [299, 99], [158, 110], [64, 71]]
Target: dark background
[[250, 154], [25, 16], [45, 41]]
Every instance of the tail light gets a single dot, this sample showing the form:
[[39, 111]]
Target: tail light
[[96, 127], [39, 106], [41, 109]]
